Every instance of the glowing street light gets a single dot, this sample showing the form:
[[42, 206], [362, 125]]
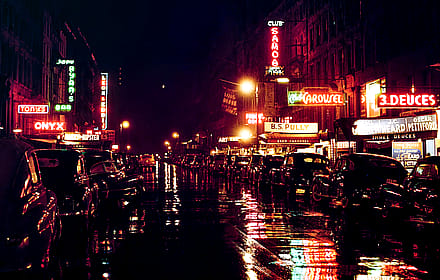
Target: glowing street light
[[125, 124], [175, 135], [166, 143]]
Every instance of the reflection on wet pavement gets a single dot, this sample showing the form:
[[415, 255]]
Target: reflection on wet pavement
[[191, 225]]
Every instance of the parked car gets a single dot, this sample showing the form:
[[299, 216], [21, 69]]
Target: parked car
[[246, 170], [237, 164], [260, 172], [423, 187], [63, 172], [218, 164], [357, 179], [298, 170], [29, 221], [113, 183]]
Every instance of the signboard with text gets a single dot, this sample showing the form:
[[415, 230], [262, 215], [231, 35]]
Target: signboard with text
[[275, 68], [315, 97], [33, 109], [395, 125], [291, 127], [406, 100], [407, 153]]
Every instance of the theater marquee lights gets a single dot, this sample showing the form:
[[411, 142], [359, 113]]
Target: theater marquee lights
[[275, 69], [315, 97], [104, 101], [33, 109], [407, 100]]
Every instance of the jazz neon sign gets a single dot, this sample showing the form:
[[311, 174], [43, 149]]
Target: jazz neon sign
[[104, 101], [52, 126], [405, 100], [33, 109]]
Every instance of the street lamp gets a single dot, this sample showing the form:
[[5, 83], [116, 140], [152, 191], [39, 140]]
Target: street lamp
[[248, 87], [123, 125]]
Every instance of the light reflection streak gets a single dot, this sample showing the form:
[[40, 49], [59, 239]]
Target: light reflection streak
[[172, 200], [386, 268]]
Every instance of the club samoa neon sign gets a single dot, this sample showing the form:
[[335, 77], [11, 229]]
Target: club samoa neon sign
[[407, 100], [275, 69]]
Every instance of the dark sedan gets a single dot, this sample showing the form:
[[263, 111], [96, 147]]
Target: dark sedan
[[114, 185], [63, 172], [298, 170], [423, 187], [29, 224], [357, 179]]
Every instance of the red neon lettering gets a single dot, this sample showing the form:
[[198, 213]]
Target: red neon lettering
[[407, 100]]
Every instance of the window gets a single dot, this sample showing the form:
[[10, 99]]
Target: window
[[426, 171], [33, 169]]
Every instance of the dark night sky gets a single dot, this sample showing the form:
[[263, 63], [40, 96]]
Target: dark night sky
[[159, 43]]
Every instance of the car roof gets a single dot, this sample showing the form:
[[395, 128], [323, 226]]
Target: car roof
[[12, 152]]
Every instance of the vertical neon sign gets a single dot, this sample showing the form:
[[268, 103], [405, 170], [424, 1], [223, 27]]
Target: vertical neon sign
[[275, 42], [104, 102], [71, 83]]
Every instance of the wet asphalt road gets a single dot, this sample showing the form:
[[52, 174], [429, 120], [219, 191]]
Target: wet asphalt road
[[189, 225]]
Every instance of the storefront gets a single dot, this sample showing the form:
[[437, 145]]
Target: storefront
[[281, 138], [406, 139]]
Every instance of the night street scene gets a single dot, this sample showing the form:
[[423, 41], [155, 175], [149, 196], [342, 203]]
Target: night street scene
[[222, 139]]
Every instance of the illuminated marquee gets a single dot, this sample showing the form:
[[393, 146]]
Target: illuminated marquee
[[314, 97], [33, 109], [395, 126], [104, 95], [291, 127], [406, 100], [251, 118], [51, 126], [275, 69], [81, 137]]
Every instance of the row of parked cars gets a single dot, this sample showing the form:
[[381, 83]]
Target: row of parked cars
[[359, 180], [39, 188]]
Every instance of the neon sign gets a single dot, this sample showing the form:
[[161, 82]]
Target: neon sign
[[251, 118], [275, 68], [33, 109], [315, 98], [65, 62], [405, 100], [63, 108], [104, 95], [53, 126], [71, 84]]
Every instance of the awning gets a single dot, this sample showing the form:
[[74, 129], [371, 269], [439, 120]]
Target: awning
[[290, 138], [378, 144]]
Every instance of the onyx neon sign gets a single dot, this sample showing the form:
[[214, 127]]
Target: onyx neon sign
[[407, 100], [50, 126]]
